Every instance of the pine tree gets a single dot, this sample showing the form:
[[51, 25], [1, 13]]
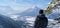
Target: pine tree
[[54, 4]]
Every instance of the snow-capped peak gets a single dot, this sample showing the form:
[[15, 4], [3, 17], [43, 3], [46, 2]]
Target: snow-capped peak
[[33, 11]]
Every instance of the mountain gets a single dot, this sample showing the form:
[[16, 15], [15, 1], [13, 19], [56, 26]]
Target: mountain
[[30, 12], [5, 9], [53, 16], [6, 22]]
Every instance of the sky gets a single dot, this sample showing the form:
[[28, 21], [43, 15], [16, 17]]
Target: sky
[[21, 5]]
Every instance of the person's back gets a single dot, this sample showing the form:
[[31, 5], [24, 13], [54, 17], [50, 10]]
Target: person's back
[[41, 21]]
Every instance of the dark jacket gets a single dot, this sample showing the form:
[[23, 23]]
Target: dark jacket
[[41, 21]]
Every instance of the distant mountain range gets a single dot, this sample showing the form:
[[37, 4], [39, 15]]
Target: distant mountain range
[[34, 12], [53, 16], [30, 12]]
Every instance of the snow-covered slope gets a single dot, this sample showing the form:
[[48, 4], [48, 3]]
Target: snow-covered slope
[[29, 22], [6, 22]]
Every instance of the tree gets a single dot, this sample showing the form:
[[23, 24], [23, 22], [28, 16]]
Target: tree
[[52, 6]]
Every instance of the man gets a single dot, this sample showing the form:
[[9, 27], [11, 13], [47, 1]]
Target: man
[[41, 21]]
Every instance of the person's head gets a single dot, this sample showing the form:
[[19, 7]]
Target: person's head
[[41, 12]]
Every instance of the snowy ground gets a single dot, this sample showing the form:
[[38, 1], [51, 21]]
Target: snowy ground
[[29, 22]]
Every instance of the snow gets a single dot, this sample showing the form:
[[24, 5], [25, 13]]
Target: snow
[[29, 22]]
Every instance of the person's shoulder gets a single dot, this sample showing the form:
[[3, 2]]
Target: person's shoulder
[[38, 15]]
